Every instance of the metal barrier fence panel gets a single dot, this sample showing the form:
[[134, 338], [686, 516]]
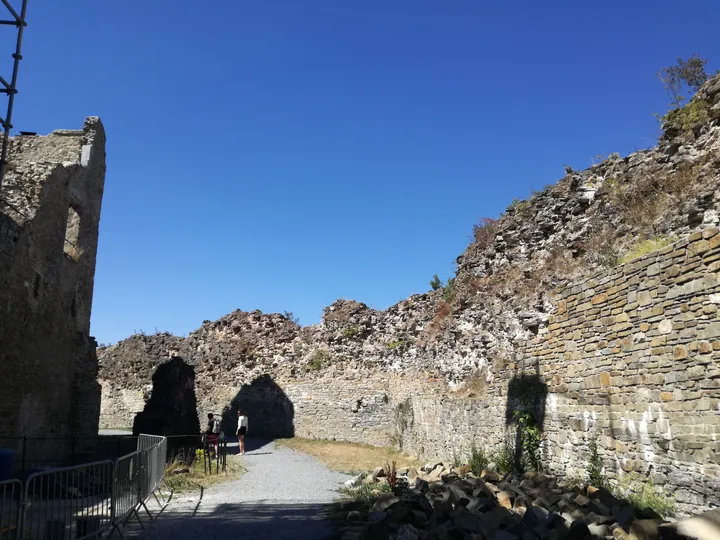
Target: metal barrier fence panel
[[127, 486], [83, 501], [69, 504], [162, 460], [147, 441], [11, 494], [32, 453]]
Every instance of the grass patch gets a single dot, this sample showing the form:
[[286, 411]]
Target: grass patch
[[644, 247], [197, 477], [642, 494], [363, 496], [350, 458]]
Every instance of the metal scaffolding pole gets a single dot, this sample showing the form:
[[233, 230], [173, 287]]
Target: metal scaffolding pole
[[10, 88]]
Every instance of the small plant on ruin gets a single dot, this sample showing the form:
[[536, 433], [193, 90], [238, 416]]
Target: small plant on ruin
[[519, 206], [391, 474], [643, 200], [681, 81], [291, 317], [351, 332], [443, 310], [643, 494], [484, 232], [435, 282], [319, 359], [478, 460], [596, 477], [395, 344], [456, 460], [569, 171], [504, 458], [449, 290]]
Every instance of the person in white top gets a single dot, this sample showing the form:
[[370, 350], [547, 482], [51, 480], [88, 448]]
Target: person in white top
[[242, 430]]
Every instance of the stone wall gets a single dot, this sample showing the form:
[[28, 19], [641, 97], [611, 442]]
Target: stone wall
[[50, 203], [631, 357]]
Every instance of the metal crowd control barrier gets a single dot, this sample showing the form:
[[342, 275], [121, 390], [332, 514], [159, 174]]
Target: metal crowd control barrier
[[90, 500], [74, 502], [11, 494]]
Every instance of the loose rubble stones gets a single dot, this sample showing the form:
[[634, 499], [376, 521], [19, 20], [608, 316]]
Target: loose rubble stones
[[447, 503]]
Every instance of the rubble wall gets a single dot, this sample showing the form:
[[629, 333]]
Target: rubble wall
[[50, 203], [630, 357]]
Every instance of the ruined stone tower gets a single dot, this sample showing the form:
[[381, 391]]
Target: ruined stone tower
[[50, 203]]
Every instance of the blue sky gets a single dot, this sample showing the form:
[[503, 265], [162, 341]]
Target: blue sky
[[278, 155]]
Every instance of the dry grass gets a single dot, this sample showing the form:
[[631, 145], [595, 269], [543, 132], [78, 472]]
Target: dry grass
[[484, 232], [474, 386], [197, 477], [348, 457]]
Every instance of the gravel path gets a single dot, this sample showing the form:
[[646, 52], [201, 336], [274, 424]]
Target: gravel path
[[283, 495]]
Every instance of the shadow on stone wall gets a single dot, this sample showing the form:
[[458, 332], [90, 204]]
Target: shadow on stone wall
[[270, 412], [171, 409], [525, 415]]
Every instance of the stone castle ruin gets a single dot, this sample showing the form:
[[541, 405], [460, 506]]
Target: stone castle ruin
[[50, 203], [593, 309]]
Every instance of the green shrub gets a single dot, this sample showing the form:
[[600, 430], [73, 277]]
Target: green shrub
[[318, 360], [435, 282], [686, 118], [478, 460], [596, 477], [504, 458], [449, 290], [395, 344], [530, 439], [350, 332], [644, 247]]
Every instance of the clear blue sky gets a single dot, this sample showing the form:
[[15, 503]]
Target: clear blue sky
[[278, 155]]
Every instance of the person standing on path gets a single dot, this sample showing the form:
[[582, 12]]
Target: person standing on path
[[212, 432], [242, 430]]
